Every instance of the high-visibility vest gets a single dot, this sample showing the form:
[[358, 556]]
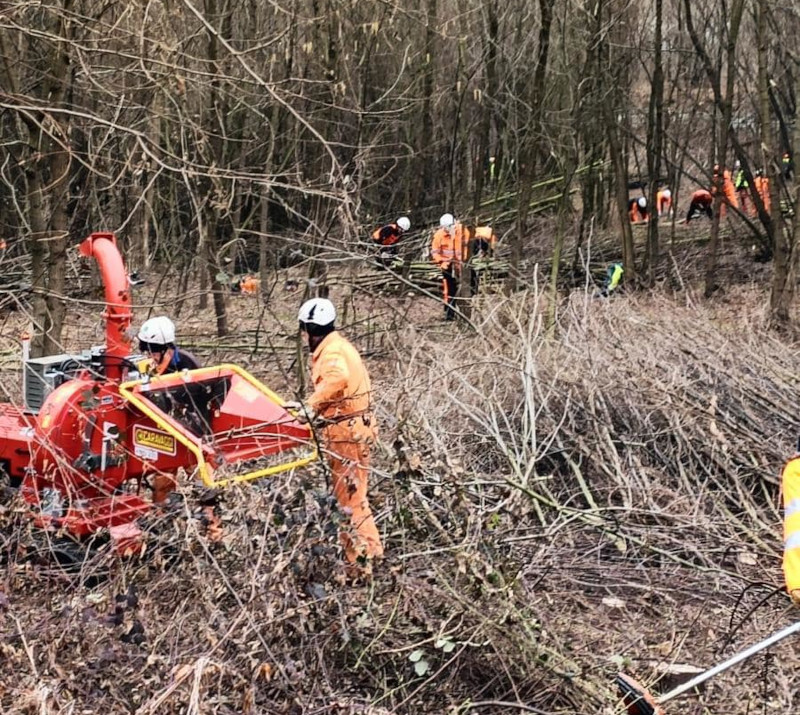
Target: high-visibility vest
[[614, 276], [447, 249], [791, 524]]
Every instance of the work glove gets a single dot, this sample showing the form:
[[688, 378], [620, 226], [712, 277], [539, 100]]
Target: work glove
[[795, 595], [302, 413], [307, 415]]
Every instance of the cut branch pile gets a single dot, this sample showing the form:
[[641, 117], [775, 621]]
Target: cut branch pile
[[553, 509]]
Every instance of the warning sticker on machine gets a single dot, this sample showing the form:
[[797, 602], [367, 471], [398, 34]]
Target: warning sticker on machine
[[152, 439], [149, 455]]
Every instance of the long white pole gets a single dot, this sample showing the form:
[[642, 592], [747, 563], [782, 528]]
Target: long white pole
[[738, 658], [26, 355]]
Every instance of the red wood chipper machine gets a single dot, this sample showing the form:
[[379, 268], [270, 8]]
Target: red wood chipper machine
[[93, 434]]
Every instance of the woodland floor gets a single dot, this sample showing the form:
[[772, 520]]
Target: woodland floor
[[554, 508]]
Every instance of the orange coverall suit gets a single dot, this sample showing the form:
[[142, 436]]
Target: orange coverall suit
[[341, 396], [728, 191], [762, 186], [663, 203], [447, 252]]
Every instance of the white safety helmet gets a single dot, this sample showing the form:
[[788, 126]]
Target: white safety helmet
[[157, 331], [642, 201], [447, 221], [317, 311], [404, 223], [666, 193]]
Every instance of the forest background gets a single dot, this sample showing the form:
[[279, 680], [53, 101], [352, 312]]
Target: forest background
[[599, 489]]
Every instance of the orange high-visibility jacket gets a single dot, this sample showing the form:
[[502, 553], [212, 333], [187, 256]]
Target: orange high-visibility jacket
[[729, 189], [487, 236], [387, 235], [762, 186], [636, 212], [341, 384], [791, 524], [448, 249], [249, 285], [730, 197], [702, 197]]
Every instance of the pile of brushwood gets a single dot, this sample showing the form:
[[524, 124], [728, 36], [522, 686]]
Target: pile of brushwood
[[556, 506]]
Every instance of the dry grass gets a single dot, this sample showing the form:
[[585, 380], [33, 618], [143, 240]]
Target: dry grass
[[551, 507]]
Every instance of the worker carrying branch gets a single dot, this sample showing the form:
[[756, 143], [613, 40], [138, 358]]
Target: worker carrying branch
[[447, 252], [341, 403]]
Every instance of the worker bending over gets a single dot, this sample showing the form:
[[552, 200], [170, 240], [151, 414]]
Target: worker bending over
[[447, 251], [613, 277], [637, 210], [342, 403], [700, 204], [664, 202], [388, 237], [482, 242]]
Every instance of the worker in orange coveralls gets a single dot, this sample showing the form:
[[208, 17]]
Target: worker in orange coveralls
[[663, 202], [637, 210], [790, 486], [701, 204], [447, 252], [761, 183], [341, 403], [728, 190]]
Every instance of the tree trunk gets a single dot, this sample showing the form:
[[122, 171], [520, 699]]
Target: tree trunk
[[724, 105], [488, 99], [784, 269], [531, 152], [654, 146]]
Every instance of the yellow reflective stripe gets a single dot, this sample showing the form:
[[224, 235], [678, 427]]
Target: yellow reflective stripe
[[792, 541], [792, 507], [791, 523]]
